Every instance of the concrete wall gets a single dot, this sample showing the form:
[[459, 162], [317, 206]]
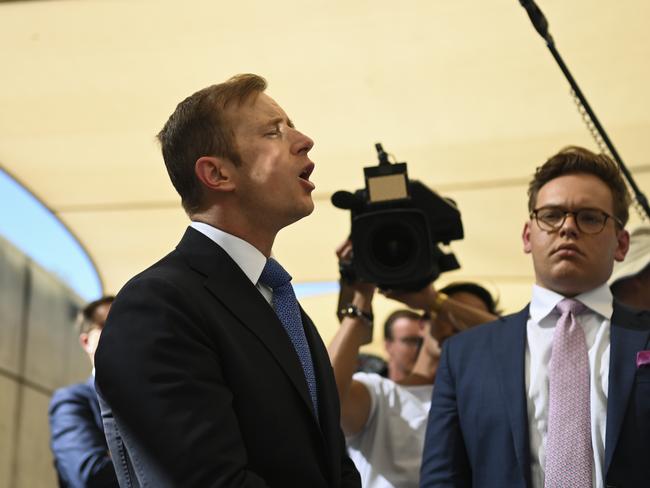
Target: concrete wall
[[39, 352]]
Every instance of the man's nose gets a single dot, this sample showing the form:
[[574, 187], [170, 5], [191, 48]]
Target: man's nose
[[302, 144], [569, 226]]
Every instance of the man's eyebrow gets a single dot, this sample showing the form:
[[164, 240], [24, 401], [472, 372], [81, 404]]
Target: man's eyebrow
[[279, 120]]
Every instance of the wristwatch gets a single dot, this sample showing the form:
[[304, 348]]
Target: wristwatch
[[351, 310], [441, 298]]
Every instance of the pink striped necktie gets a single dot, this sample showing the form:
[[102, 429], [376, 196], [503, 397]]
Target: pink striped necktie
[[569, 455]]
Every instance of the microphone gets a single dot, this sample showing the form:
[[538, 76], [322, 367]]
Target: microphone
[[537, 18], [381, 154], [347, 201]]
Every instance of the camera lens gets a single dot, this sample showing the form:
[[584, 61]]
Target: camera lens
[[393, 245], [393, 248]]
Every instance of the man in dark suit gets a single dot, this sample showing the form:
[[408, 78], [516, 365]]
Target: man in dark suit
[[81, 456], [503, 413], [213, 374]]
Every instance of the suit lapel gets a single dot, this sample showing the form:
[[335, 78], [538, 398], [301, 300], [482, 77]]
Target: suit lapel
[[228, 283], [94, 402], [321, 362], [509, 347], [628, 336]]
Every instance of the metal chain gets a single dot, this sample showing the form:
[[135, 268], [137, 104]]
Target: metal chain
[[591, 127]]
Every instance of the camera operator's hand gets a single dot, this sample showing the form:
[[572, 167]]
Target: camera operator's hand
[[357, 292], [424, 299], [355, 314], [450, 315], [344, 251]]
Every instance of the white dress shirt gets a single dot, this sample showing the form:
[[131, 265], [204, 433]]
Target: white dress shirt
[[245, 255], [539, 339]]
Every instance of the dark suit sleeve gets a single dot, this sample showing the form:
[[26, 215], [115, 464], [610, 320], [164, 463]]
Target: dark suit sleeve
[[161, 375], [78, 445], [444, 461], [349, 474]]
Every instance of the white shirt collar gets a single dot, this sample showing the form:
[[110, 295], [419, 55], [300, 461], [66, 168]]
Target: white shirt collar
[[248, 257], [598, 300]]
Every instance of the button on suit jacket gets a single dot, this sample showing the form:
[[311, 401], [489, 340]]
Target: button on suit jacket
[[203, 388]]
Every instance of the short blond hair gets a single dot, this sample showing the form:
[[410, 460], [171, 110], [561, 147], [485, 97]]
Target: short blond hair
[[198, 127]]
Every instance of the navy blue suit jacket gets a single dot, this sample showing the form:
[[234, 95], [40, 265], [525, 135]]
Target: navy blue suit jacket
[[204, 388], [477, 434], [77, 438]]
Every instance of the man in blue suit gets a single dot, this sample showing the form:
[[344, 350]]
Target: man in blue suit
[[504, 414], [80, 451]]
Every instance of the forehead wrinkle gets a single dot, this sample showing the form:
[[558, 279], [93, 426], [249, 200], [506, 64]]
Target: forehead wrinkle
[[275, 121], [278, 118]]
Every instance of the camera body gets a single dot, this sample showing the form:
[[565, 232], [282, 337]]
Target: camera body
[[397, 225]]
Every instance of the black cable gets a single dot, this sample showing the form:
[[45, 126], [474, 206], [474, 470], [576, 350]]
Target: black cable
[[541, 26]]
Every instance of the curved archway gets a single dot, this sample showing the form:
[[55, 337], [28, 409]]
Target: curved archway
[[33, 228]]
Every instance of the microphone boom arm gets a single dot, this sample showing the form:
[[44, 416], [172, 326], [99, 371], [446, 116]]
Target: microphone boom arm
[[541, 26]]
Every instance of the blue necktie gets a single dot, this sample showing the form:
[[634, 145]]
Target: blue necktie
[[286, 307]]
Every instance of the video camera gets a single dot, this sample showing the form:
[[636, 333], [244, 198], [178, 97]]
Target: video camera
[[397, 224]]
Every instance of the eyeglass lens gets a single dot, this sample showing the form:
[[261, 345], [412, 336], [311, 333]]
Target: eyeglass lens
[[588, 220]]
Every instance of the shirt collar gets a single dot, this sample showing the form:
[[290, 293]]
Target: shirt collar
[[598, 300], [248, 257]]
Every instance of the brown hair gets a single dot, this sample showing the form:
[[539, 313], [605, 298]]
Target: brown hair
[[86, 319], [394, 317], [491, 305], [574, 159], [199, 127]]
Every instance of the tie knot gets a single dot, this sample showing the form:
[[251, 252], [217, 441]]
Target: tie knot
[[569, 305], [274, 275]]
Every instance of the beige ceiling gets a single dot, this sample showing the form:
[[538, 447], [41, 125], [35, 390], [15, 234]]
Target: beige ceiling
[[465, 91]]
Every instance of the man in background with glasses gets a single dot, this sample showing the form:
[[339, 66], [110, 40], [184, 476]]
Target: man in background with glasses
[[557, 395]]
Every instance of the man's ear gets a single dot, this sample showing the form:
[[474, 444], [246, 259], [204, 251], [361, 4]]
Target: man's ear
[[215, 173], [525, 238], [622, 245], [83, 340]]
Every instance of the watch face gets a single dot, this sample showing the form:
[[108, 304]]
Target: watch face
[[351, 311]]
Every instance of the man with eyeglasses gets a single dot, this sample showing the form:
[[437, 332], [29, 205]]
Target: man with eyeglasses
[[558, 394], [402, 340]]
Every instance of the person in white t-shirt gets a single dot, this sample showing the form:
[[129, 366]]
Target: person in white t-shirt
[[388, 448], [384, 420]]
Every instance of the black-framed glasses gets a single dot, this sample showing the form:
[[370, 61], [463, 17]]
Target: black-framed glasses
[[588, 220]]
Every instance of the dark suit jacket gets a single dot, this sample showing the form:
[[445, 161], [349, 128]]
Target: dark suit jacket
[[205, 387], [477, 433], [77, 438]]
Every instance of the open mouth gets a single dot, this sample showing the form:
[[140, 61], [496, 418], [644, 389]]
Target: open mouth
[[307, 171]]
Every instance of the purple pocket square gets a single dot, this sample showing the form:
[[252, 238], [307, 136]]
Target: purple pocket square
[[642, 358]]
